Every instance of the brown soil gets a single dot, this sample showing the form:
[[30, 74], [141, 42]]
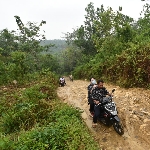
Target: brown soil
[[133, 105]]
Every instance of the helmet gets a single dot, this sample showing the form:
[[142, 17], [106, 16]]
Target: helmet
[[94, 82]]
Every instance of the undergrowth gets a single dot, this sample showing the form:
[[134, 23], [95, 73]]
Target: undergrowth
[[128, 69], [32, 117]]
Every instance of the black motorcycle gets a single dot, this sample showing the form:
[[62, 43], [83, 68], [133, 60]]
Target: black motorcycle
[[62, 83], [109, 114]]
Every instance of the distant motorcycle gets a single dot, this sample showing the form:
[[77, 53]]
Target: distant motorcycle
[[109, 114], [62, 83]]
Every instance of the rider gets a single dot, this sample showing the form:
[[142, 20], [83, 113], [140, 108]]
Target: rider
[[62, 79], [90, 101], [97, 95], [71, 77]]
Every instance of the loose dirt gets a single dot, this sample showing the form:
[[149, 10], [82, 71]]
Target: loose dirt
[[133, 106]]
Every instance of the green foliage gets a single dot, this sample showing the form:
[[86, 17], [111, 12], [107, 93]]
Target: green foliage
[[19, 64], [58, 45], [82, 36], [132, 69], [23, 116], [30, 106], [37, 120], [129, 69], [67, 132], [70, 58], [20, 53], [8, 42], [122, 45], [6, 143]]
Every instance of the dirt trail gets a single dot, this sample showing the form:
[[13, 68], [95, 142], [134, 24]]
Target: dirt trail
[[133, 106]]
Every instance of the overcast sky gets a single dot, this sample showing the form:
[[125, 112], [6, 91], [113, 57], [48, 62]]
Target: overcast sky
[[61, 16]]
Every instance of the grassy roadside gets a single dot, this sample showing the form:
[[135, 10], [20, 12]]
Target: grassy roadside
[[32, 117]]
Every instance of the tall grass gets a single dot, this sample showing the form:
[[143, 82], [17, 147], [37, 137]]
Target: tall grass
[[36, 119]]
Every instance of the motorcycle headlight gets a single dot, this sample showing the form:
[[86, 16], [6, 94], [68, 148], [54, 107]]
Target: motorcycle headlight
[[114, 112]]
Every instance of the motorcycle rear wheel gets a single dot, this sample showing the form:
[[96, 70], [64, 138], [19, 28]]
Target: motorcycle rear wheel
[[118, 128]]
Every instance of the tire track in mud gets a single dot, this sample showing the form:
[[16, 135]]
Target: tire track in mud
[[132, 112]]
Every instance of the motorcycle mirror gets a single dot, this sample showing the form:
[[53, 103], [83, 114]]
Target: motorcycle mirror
[[113, 90]]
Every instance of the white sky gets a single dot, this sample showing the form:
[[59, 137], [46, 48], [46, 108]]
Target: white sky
[[61, 16]]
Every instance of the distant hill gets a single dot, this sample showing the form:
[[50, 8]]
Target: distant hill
[[60, 45]]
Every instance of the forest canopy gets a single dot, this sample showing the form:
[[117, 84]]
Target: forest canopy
[[108, 45], [117, 46]]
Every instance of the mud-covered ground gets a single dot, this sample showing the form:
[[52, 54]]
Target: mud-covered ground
[[134, 111]]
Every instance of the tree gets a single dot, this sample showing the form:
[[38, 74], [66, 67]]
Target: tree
[[82, 36], [8, 42], [20, 52]]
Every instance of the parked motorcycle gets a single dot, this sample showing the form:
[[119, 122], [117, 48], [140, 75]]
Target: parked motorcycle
[[109, 114]]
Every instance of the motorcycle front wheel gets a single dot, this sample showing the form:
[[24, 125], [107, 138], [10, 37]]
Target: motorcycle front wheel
[[118, 128]]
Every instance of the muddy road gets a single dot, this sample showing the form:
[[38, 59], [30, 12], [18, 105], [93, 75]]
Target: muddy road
[[134, 111]]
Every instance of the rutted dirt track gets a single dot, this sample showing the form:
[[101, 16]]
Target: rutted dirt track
[[134, 111]]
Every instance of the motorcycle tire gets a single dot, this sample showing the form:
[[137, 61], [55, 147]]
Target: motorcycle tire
[[118, 128]]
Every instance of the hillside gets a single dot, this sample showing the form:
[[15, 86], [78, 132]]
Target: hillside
[[133, 106], [59, 45], [32, 117]]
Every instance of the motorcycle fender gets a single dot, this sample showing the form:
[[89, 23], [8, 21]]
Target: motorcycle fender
[[117, 118]]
